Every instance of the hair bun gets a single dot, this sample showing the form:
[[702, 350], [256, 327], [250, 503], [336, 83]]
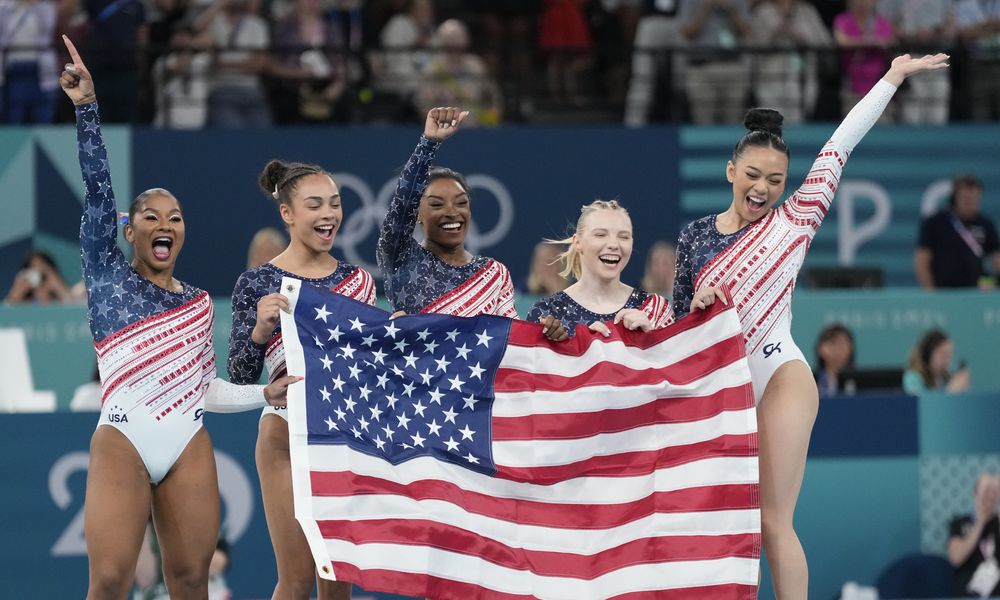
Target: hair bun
[[764, 119], [273, 172]]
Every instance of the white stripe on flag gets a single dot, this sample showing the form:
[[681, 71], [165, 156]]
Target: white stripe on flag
[[539, 359], [471, 569], [535, 537], [581, 490], [537, 453], [521, 404]]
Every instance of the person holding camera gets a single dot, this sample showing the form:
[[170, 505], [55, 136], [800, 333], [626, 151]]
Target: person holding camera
[[38, 282]]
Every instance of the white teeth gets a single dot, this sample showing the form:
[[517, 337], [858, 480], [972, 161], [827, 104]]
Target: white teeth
[[451, 226], [610, 258]]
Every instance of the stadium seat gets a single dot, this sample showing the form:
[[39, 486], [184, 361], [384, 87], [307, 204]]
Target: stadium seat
[[18, 393], [916, 576]]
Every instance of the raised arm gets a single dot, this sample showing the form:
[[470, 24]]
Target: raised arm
[[98, 228], [809, 204], [397, 228]]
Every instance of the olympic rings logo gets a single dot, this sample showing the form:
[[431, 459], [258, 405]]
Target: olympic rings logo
[[362, 224]]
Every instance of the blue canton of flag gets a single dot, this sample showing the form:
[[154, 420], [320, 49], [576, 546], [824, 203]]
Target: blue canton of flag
[[402, 388]]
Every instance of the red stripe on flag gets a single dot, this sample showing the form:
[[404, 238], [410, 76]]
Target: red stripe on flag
[[627, 464], [526, 333], [651, 550], [563, 426], [682, 372], [416, 584], [544, 514], [728, 591]]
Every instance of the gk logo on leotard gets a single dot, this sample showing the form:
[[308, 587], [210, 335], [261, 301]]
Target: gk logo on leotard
[[198, 413], [770, 349]]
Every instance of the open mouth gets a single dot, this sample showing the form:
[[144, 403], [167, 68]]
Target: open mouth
[[612, 260], [161, 247], [755, 203], [325, 232], [452, 227]]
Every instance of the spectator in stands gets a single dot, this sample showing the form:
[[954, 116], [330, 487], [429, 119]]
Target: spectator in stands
[[658, 30], [28, 72], [661, 267], [716, 76], [929, 368], [405, 40], [308, 63], [791, 33], [87, 396], [923, 26], [240, 40], [543, 275], [457, 77], [834, 355], [181, 80], [954, 243], [979, 27], [116, 42], [506, 26], [38, 282], [565, 39], [864, 36], [974, 542], [265, 245]]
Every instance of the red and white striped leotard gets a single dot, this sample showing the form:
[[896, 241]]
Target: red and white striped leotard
[[154, 346], [760, 267]]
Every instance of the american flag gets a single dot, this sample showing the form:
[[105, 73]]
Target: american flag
[[456, 458]]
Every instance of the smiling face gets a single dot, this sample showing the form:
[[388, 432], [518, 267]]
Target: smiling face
[[445, 213], [156, 232], [604, 243], [313, 213], [758, 177]]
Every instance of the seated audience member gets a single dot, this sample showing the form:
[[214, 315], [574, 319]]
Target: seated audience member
[[406, 39], [929, 368], [457, 77], [864, 37], [661, 267], [265, 245], [954, 243], [181, 80], [974, 542], [834, 355], [38, 282], [308, 65], [543, 276], [87, 397]]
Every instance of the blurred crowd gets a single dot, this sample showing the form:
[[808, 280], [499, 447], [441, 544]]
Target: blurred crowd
[[232, 63]]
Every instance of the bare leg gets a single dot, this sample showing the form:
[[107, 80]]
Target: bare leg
[[186, 516], [785, 419], [116, 513], [296, 570]]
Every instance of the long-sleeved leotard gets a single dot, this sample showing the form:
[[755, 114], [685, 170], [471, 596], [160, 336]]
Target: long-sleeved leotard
[[415, 279], [154, 346], [570, 313], [760, 263], [247, 358]]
